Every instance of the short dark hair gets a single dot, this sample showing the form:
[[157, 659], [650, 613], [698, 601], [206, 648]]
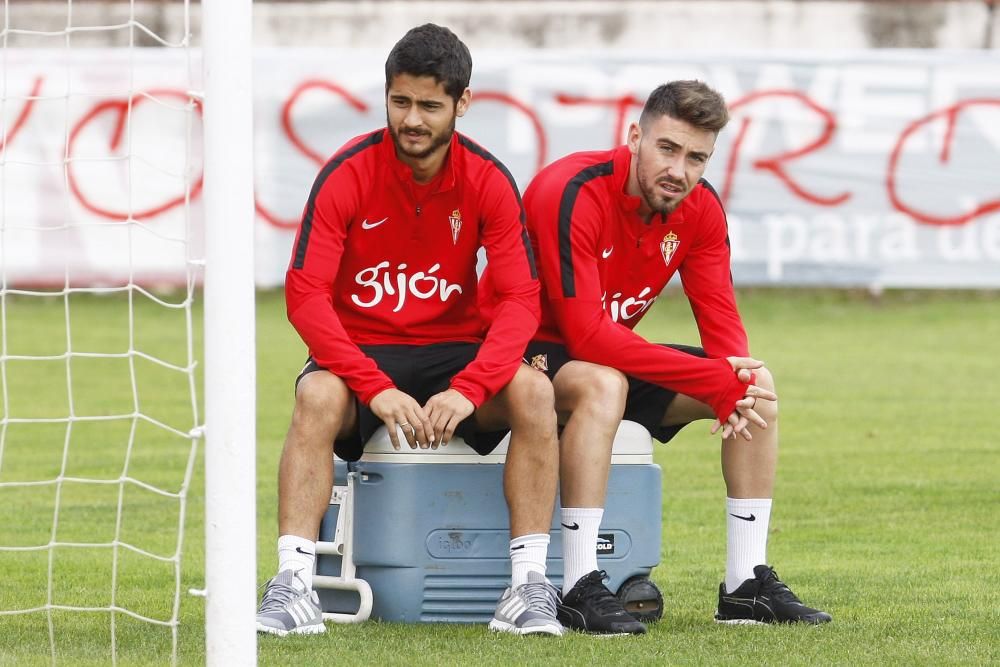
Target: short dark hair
[[431, 50], [691, 101]]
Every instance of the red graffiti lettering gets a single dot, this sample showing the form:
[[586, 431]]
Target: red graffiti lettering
[[732, 162], [22, 117], [288, 126], [123, 108], [286, 114], [774, 164], [540, 138], [950, 116], [621, 106]]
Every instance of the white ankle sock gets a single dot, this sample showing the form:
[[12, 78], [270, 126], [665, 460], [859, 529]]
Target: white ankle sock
[[579, 541], [298, 555], [527, 554], [746, 538]]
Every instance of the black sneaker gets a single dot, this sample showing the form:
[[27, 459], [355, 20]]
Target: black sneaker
[[591, 607], [765, 599]]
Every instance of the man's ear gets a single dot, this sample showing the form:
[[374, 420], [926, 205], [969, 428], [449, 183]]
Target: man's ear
[[463, 103], [634, 137]]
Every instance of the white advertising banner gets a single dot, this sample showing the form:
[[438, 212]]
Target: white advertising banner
[[873, 168]]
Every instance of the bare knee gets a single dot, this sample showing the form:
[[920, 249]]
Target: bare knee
[[531, 399], [322, 400], [530, 388], [598, 391], [606, 385]]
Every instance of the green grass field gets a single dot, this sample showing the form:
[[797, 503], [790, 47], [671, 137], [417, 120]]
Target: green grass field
[[885, 513]]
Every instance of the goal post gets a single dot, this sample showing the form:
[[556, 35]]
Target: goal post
[[108, 243], [230, 374]]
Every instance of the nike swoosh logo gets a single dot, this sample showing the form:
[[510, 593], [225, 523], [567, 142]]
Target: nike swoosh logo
[[571, 526], [299, 550], [519, 546], [372, 225], [607, 253], [745, 518]]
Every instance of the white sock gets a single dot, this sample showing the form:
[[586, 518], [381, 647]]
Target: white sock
[[746, 538], [298, 555], [527, 554], [579, 540]]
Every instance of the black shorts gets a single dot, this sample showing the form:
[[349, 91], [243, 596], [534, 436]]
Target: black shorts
[[645, 404], [420, 371]]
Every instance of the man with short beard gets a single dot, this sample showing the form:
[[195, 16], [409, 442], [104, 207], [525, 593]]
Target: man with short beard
[[609, 229], [382, 288]]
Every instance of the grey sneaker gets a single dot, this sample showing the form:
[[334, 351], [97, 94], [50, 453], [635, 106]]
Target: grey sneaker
[[287, 609], [528, 609]]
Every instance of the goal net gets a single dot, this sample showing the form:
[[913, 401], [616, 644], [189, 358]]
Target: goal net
[[102, 248]]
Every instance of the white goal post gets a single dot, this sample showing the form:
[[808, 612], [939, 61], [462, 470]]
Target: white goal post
[[230, 377], [108, 226]]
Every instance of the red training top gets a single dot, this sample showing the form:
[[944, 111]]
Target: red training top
[[381, 259], [603, 265]]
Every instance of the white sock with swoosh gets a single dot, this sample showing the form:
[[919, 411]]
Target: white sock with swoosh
[[298, 555], [746, 538], [527, 554], [579, 543]]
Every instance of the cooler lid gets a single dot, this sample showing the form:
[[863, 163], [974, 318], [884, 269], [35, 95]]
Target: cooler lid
[[379, 449], [632, 439], [633, 445]]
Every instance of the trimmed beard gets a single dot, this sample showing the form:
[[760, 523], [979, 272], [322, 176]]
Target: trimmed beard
[[437, 142], [649, 196]]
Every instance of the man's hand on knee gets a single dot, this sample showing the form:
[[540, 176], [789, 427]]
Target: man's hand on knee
[[397, 408], [445, 411], [744, 367], [744, 414]]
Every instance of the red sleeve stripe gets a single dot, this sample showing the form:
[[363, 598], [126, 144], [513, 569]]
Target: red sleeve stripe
[[476, 149], [329, 168], [566, 204]]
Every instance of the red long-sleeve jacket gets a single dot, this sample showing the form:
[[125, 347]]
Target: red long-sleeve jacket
[[381, 259], [603, 265]]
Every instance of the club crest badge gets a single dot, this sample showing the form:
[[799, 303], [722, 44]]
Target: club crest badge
[[455, 220], [540, 362], [668, 246]]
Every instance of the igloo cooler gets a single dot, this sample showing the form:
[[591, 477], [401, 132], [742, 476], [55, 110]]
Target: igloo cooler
[[423, 535]]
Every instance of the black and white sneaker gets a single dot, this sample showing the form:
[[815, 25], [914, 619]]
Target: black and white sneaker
[[591, 607], [765, 599]]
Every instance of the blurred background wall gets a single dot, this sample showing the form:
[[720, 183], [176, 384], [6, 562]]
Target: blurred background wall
[[864, 149], [644, 24]]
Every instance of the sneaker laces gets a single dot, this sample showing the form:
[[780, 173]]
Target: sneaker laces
[[278, 594], [598, 595], [539, 595], [776, 587]]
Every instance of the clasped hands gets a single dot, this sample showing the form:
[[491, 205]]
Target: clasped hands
[[426, 426], [744, 414], [433, 424]]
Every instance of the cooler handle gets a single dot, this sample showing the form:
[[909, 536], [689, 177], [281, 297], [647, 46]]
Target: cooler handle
[[343, 546]]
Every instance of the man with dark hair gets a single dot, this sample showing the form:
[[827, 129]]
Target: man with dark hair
[[382, 288], [430, 50], [609, 229]]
